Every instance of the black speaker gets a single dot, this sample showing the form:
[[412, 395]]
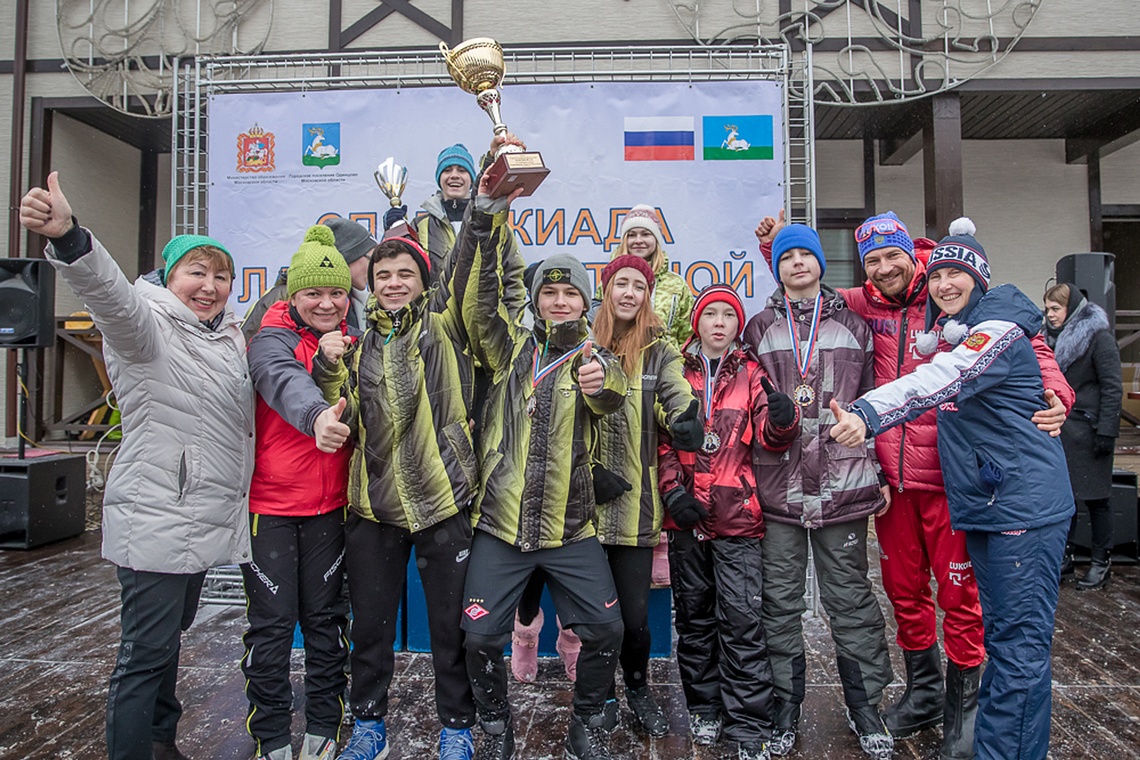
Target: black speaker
[[1094, 274], [27, 303], [42, 500]]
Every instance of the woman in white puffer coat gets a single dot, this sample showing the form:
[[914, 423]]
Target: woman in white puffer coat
[[176, 502]]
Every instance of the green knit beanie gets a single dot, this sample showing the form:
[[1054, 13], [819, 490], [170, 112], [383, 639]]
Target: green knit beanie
[[317, 263], [180, 245]]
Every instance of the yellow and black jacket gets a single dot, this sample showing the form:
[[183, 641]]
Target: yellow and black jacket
[[408, 386], [537, 486], [627, 445]]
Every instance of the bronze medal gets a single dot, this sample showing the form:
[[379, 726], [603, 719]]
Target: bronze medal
[[531, 405], [711, 444], [804, 395]]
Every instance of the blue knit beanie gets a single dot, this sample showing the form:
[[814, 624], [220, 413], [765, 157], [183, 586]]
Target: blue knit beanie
[[455, 155], [797, 236], [883, 231]]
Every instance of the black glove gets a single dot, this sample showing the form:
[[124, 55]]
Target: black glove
[[1104, 446], [781, 410], [608, 485], [684, 509], [687, 431], [393, 215]]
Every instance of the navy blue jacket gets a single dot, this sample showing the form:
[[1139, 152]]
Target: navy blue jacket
[[1001, 472]]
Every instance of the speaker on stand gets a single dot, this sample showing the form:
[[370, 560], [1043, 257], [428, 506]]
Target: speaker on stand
[[43, 498]]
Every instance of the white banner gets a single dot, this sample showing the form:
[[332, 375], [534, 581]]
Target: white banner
[[709, 155]]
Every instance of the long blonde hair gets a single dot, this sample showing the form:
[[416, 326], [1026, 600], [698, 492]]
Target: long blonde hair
[[627, 341]]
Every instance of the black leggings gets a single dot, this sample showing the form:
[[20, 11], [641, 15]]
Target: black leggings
[[632, 568], [1100, 520]]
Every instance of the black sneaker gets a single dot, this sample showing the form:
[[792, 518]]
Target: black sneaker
[[588, 740], [647, 712], [753, 752], [874, 738], [498, 742]]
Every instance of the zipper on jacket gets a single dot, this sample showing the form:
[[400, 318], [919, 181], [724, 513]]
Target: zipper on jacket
[[898, 374]]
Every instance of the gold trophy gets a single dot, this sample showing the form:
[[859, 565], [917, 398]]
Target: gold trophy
[[477, 67]]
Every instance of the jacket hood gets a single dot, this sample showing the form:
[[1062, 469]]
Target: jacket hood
[[434, 206], [1006, 303], [733, 357], [1077, 333]]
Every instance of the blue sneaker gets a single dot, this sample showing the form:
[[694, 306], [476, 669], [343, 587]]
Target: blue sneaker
[[456, 744], [369, 741]]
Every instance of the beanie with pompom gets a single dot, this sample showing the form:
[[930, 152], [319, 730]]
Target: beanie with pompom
[[318, 264]]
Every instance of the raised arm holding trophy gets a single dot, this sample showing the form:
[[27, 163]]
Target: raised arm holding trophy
[[477, 67]]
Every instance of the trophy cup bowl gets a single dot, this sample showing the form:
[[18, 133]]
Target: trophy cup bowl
[[392, 179], [477, 66]]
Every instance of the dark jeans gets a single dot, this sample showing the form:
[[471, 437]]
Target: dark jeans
[[141, 703], [377, 570], [295, 577]]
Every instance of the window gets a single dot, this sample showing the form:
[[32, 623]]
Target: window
[[843, 267]]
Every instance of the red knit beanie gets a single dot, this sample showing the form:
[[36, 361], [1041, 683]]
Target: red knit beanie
[[719, 293], [632, 262]]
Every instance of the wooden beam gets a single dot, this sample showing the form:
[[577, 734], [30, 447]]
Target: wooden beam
[[1118, 130], [148, 210], [1096, 217], [896, 151], [942, 163]]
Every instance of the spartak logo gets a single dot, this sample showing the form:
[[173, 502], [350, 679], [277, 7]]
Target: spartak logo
[[475, 611]]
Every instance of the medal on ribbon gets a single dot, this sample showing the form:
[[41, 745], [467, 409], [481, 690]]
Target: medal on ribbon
[[712, 441], [803, 394], [537, 374]]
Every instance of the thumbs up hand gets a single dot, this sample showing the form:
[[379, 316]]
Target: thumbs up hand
[[329, 431], [591, 373], [849, 430], [46, 212], [687, 430], [333, 344], [781, 410]]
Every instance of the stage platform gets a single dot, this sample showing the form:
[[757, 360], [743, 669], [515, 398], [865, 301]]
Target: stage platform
[[59, 631]]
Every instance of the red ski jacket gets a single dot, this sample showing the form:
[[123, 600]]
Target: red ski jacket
[[724, 480], [291, 476], [908, 453]]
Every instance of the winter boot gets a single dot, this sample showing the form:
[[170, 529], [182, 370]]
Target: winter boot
[[874, 737], [314, 747], [787, 723], [568, 646], [922, 702], [1068, 564], [1096, 577], [659, 576], [456, 744], [647, 712], [166, 751], [589, 739], [369, 741], [961, 708], [281, 753], [498, 740], [612, 713], [705, 728], [754, 752], [524, 649]]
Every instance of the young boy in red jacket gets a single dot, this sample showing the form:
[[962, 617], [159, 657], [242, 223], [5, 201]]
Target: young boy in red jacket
[[714, 525]]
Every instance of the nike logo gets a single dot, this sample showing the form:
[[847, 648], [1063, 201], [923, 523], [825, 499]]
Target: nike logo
[[462, 555], [611, 604]]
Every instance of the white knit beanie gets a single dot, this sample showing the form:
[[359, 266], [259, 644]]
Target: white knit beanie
[[645, 217]]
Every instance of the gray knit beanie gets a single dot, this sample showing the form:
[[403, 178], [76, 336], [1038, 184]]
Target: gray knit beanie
[[559, 269]]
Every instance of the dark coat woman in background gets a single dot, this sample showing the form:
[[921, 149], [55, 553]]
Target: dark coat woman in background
[[1079, 333]]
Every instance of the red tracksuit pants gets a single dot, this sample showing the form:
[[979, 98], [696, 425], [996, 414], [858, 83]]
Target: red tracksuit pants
[[916, 541]]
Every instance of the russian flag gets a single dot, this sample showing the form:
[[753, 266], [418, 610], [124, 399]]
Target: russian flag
[[659, 138]]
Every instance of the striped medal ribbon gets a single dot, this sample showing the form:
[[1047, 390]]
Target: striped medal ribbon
[[539, 374], [712, 440], [804, 394]]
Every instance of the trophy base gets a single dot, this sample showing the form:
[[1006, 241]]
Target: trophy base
[[514, 170]]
